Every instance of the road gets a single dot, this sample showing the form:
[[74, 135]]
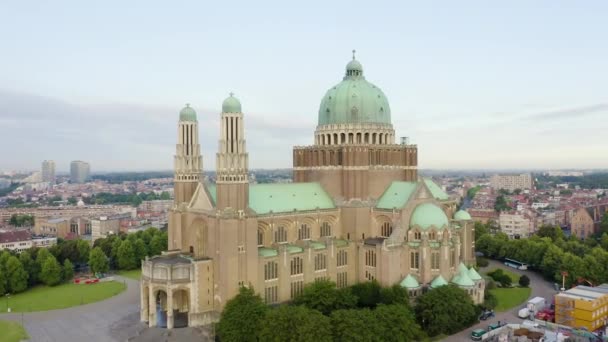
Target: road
[[113, 319], [540, 288]]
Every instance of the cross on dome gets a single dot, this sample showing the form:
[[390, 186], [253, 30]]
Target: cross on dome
[[354, 51]]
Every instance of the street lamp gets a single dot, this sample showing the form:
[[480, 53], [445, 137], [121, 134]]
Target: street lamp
[[8, 295]]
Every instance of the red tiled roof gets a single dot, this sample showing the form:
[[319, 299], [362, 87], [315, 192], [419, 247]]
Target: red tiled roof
[[14, 236]]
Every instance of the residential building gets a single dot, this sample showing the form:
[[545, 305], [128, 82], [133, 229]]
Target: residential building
[[48, 171], [79, 171], [483, 215], [516, 224], [356, 211], [582, 307], [20, 240], [103, 226], [511, 182]]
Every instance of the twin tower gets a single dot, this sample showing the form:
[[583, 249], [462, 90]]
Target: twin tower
[[232, 158]]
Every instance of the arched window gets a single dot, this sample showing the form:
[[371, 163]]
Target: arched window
[[414, 260], [370, 258], [271, 270], [386, 229], [320, 262], [260, 237], [342, 258], [435, 260], [432, 235], [304, 232], [297, 266], [417, 235], [280, 235], [325, 229]]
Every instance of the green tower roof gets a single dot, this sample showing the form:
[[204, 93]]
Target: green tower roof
[[438, 282], [463, 279], [409, 282], [354, 100], [462, 215], [474, 275], [462, 268], [231, 105], [187, 114], [426, 215]]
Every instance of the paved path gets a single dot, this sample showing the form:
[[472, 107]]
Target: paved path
[[540, 288], [113, 319]]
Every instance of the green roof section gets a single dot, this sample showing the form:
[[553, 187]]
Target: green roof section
[[267, 252], [231, 105], [396, 195], [187, 114], [435, 190], [317, 245], [427, 215], [473, 274], [354, 100], [462, 278], [341, 242], [409, 282], [283, 197], [292, 249], [462, 215], [438, 282]]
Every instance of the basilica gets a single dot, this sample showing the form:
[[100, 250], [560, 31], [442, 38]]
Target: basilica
[[357, 211]]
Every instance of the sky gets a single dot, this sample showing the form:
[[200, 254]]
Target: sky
[[475, 84]]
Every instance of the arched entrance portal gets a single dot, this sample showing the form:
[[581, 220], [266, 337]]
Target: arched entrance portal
[[181, 308], [161, 308]]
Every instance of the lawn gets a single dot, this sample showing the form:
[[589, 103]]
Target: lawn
[[42, 298], [133, 274], [509, 298], [12, 332]]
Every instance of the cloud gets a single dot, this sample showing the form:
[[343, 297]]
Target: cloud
[[567, 113]]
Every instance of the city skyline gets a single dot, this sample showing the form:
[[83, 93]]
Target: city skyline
[[527, 97]]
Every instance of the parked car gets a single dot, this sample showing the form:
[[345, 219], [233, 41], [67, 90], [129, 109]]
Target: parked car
[[477, 334], [486, 314], [496, 325]]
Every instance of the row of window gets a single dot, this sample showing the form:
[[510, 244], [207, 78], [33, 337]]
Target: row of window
[[271, 293], [271, 268], [280, 233]]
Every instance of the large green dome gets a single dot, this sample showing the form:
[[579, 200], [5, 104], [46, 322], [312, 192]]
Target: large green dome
[[354, 100], [426, 215], [187, 114]]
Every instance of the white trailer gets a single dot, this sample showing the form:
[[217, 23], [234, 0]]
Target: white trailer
[[536, 304]]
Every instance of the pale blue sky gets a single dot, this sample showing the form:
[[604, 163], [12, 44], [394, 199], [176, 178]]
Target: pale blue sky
[[476, 84]]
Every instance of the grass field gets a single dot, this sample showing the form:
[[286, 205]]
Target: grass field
[[133, 274], [12, 332], [509, 298], [42, 298]]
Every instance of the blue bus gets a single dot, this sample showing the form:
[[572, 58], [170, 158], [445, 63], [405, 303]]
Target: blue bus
[[516, 264]]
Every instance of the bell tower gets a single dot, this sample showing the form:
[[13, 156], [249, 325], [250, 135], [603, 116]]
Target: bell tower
[[232, 158], [188, 162]]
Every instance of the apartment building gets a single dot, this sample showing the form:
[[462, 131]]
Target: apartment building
[[511, 182]]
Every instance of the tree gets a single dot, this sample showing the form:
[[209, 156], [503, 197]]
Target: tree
[[323, 296], [98, 261], [3, 282], [524, 281], [127, 260], [242, 317], [295, 323], [140, 251], [354, 325], [16, 275], [445, 310], [31, 267], [367, 293], [84, 249], [394, 295], [397, 323], [480, 230], [51, 271], [604, 224], [68, 270], [552, 261], [552, 232], [165, 196], [72, 201], [489, 300], [157, 245]]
